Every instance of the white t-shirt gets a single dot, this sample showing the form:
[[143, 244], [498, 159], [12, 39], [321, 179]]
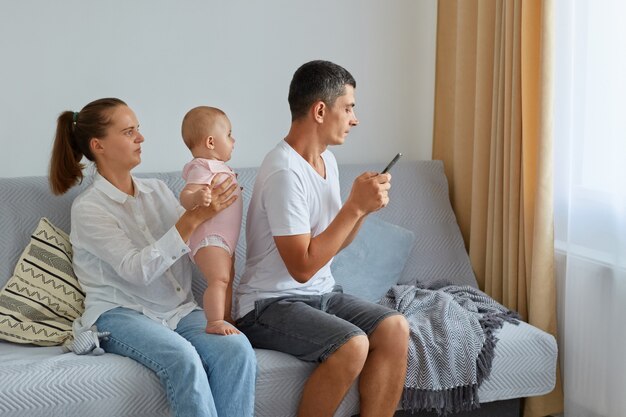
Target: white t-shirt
[[128, 253], [289, 198]]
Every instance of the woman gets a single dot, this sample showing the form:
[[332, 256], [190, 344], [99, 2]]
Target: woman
[[128, 236]]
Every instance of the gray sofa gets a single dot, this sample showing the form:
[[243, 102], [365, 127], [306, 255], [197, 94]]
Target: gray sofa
[[45, 381]]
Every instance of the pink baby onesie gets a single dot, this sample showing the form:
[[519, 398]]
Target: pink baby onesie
[[227, 223]]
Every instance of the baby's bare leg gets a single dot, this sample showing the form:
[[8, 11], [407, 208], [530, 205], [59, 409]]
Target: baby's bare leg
[[216, 265], [229, 294]]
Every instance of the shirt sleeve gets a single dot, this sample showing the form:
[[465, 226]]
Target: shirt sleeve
[[284, 199], [100, 233]]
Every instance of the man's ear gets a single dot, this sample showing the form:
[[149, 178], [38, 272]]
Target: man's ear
[[210, 142], [319, 110]]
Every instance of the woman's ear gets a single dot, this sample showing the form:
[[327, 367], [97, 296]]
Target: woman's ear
[[95, 146], [210, 142]]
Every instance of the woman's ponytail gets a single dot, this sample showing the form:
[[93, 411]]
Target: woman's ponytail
[[66, 170]]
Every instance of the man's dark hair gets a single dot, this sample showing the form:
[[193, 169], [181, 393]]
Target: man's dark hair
[[317, 80]]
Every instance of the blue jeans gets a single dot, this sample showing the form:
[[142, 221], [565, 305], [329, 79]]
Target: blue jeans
[[202, 374]]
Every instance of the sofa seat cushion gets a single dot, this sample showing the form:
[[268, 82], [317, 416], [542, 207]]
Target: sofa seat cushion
[[280, 380], [524, 364], [46, 382]]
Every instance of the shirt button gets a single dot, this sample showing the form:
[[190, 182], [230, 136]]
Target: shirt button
[[182, 250], [173, 258], [178, 289]]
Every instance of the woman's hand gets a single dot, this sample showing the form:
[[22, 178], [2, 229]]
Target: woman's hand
[[222, 194]]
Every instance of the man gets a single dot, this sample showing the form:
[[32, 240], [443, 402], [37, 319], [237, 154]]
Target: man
[[287, 299]]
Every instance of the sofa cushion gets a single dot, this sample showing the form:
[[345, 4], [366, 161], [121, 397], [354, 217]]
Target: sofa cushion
[[419, 201], [374, 261], [42, 298]]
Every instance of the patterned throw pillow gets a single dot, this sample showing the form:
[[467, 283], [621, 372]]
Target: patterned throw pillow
[[43, 297]]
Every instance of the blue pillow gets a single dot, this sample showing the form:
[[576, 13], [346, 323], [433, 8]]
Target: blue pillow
[[374, 261]]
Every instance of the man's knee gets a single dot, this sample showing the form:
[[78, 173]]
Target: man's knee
[[392, 331], [351, 356]]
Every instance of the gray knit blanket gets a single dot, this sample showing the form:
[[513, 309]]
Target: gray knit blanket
[[451, 344]]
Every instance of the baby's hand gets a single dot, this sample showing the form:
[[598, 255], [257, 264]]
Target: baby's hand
[[202, 197]]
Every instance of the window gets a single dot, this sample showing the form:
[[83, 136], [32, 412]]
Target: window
[[590, 130]]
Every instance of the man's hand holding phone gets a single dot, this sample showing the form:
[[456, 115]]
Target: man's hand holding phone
[[370, 190]]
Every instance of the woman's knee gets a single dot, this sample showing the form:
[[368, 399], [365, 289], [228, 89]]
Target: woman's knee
[[184, 355], [238, 350], [242, 349]]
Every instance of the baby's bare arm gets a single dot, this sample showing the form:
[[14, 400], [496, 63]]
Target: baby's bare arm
[[195, 195]]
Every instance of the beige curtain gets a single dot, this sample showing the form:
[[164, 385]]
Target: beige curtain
[[493, 130]]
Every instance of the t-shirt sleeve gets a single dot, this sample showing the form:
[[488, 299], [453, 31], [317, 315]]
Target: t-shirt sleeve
[[197, 173], [284, 199]]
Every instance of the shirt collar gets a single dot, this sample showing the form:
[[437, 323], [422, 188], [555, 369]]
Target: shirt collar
[[114, 193], [218, 166]]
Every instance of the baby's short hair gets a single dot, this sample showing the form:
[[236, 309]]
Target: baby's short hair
[[199, 123]]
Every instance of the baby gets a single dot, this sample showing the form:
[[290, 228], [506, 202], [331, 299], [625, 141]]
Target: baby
[[207, 133]]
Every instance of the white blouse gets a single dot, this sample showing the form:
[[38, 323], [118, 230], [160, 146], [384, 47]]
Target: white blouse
[[128, 253]]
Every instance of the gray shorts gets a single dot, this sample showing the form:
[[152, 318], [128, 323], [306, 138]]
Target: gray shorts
[[311, 327]]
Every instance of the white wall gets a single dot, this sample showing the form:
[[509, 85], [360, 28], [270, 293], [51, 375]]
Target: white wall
[[164, 57]]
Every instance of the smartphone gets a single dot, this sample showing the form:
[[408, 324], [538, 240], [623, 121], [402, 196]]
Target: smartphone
[[392, 163]]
